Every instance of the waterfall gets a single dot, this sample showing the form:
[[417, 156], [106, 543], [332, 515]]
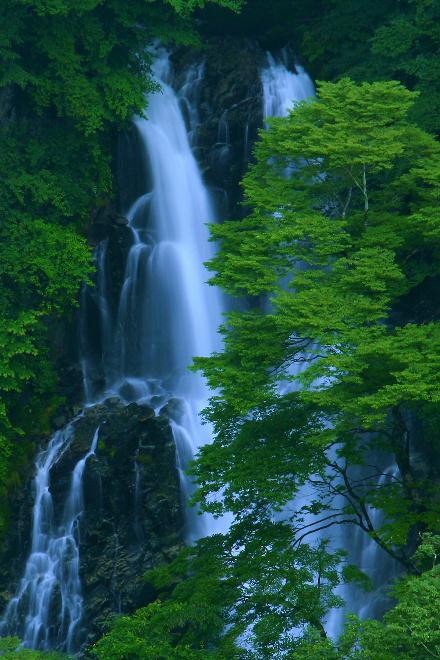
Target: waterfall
[[282, 89], [51, 581], [140, 351], [166, 314]]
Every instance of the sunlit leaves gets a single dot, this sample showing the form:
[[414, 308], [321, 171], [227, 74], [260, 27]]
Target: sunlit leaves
[[342, 227]]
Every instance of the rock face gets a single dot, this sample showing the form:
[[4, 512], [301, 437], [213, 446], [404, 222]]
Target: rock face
[[111, 225], [132, 517], [230, 113]]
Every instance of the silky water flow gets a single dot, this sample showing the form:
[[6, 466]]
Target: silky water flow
[[51, 576], [167, 313]]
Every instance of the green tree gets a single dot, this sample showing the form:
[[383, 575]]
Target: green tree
[[408, 46], [374, 41], [408, 630], [328, 365], [8, 651], [343, 227], [249, 589]]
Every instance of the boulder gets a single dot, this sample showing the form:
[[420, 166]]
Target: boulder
[[132, 521]]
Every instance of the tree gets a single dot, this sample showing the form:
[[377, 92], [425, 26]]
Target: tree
[[408, 45], [409, 629], [343, 227], [319, 373], [8, 651], [375, 41], [230, 596]]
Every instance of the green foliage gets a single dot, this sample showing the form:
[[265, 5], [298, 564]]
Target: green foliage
[[249, 587], [151, 633], [409, 47], [428, 550], [343, 211], [217, 599], [42, 265], [323, 364], [375, 40], [73, 72], [88, 60], [410, 629], [8, 651], [42, 261]]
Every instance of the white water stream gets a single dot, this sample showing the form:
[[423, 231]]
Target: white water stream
[[283, 88], [51, 574], [166, 315]]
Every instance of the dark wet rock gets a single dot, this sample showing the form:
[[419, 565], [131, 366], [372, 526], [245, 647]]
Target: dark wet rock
[[120, 240], [7, 110], [105, 218], [108, 224], [133, 518], [120, 221], [230, 113], [173, 409], [132, 167]]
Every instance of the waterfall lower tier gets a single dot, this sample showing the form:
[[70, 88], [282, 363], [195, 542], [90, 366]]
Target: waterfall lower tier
[[105, 511], [51, 578]]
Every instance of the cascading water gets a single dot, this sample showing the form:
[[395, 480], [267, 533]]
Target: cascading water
[[282, 89], [51, 578], [166, 313]]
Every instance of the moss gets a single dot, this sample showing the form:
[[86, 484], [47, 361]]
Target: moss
[[145, 459]]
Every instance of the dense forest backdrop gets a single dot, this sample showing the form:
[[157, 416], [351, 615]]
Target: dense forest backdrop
[[359, 207]]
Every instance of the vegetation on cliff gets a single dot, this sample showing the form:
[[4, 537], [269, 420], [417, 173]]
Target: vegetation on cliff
[[72, 72], [376, 40]]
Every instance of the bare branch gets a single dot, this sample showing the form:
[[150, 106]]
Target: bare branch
[[298, 541], [347, 202]]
